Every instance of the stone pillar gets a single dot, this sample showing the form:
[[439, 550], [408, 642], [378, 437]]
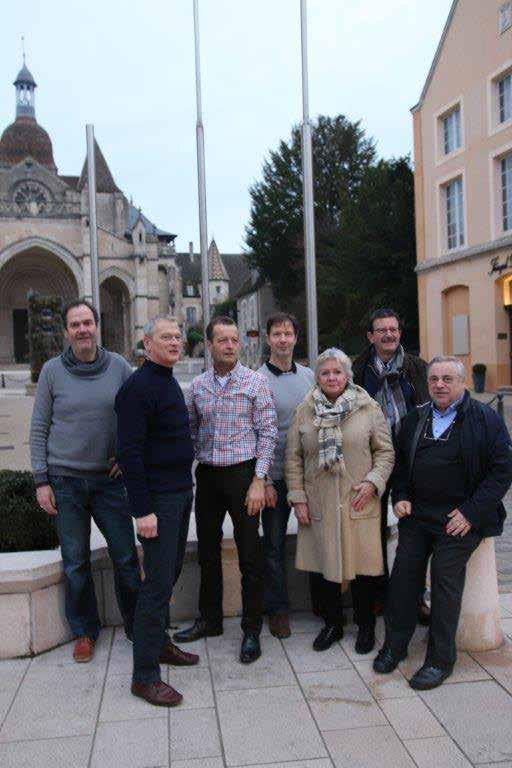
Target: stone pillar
[[479, 625]]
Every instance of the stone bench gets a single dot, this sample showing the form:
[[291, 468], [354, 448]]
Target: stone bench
[[32, 594]]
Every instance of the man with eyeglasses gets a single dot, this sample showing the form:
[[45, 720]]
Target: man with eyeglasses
[[398, 381], [453, 467]]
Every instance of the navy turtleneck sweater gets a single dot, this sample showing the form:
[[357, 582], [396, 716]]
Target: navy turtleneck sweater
[[155, 449]]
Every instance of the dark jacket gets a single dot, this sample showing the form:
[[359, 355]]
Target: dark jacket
[[155, 449], [486, 453], [413, 380]]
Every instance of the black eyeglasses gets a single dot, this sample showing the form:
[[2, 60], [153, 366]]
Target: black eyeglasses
[[439, 439]]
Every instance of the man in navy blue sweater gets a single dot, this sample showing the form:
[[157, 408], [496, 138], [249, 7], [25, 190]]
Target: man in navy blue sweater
[[155, 453]]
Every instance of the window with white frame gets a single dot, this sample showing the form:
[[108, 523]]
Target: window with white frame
[[190, 290], [506, 192], [454, 208], [191, 315], [505, 98], [451, 131]]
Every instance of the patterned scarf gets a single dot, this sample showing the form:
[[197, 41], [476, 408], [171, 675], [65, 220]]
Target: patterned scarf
[[389, 394], [328, 417]]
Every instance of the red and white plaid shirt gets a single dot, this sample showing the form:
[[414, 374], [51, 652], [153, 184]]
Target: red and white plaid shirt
[[235, 422]]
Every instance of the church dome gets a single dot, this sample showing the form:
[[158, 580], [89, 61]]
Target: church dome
[[25, 138]]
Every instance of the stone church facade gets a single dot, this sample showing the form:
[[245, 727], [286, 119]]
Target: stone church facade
[[44, 244]]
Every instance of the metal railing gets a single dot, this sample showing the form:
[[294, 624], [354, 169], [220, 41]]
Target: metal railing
[[500, 405]]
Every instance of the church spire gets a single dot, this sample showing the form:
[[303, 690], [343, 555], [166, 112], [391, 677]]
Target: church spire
[[25, 91]]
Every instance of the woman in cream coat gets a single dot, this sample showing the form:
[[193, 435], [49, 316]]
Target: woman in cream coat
[[339, 456]]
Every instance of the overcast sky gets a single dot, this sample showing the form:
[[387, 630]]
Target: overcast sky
[[128, 67]]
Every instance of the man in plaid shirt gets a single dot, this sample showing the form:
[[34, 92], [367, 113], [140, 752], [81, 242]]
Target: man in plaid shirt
[[233, 424]]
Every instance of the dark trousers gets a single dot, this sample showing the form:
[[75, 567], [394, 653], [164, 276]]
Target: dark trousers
[[275, 523], [417, 541], [104, 500], [163, 559], [221, 489], [329, 599]]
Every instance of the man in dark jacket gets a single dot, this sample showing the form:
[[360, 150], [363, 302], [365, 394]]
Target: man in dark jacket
[[453, 467], [155, 452], [398, 381]]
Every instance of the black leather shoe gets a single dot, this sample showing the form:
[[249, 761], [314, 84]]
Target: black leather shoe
[[365, 639], [251, 649], [428, 677], [327, 636], [199, 628], [385, 662]]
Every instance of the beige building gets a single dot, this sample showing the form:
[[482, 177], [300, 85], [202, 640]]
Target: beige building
[[44, 244], [463, 190]]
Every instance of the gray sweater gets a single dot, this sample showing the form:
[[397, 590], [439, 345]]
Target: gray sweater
[[73, 428], [288, 391]]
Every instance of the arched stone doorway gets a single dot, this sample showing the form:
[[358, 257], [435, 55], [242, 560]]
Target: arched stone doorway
[[34, 269], [116, 323]]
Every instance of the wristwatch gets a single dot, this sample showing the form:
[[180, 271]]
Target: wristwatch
[[260, 475]]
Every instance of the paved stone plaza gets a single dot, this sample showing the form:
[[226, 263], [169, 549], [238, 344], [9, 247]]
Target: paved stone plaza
[[293, 708]]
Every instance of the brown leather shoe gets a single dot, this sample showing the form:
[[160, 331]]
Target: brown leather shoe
[[171, 654], [83, 650], [279, 625], [160, 694]]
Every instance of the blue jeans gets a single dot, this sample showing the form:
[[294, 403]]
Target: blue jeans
[[275, 522], [104, 500], [163, 559]]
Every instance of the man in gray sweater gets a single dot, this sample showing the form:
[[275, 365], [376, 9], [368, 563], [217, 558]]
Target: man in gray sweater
[[72, 448], [289, 383]]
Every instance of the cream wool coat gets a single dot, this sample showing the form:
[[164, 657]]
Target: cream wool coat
[[340, 543]]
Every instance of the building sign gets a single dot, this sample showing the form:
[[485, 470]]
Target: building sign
[[500, 266]]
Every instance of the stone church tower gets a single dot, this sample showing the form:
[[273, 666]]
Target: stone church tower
[[44, 239]]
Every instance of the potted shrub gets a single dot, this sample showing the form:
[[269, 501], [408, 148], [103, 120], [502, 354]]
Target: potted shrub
[[479, 371]]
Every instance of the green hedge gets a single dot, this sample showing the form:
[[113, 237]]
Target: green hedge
[[24, 526]]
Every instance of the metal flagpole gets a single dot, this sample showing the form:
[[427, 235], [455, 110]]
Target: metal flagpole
[[93, 225], [201, 187], [307, 187]]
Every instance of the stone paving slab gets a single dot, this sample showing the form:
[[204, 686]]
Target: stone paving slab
[[339, 699], [367, 748], [131, 744], [54, 753], [267, 726], [478, 717], [54, 701], [440, 752], [194, 734]]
